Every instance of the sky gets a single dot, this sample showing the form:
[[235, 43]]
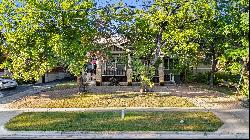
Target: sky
[[136, 3]]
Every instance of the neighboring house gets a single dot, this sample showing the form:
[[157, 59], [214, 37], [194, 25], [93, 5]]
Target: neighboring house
[[56, 74], [202, 68]]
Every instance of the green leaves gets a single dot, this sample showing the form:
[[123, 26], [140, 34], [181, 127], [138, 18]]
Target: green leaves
[[41, 35]]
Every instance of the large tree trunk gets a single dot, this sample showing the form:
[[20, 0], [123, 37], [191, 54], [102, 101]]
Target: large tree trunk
[[159, 45], [80, 83], [144, 87], [185, 75], [246, 72], [214, 63], [245, 77]]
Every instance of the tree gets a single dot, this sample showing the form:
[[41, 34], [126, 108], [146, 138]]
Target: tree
[[41, 35], [168, 27], [235, 58], [225, 38]]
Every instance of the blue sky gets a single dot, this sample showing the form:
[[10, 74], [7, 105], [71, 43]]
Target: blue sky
[[136, 3], [129, 2]]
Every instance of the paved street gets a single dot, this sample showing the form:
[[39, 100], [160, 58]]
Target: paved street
[[20, 88]]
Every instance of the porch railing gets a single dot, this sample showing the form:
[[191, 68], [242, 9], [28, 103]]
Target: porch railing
[[114, 72]]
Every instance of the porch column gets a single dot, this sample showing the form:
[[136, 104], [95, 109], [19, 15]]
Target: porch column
[[98, 72], [161, 72], [129, 71]]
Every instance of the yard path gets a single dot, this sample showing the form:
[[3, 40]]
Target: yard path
[[228, 109]]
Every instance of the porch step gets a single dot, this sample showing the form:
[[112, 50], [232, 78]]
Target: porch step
[[169, 83], [91, 83], [166, 84]]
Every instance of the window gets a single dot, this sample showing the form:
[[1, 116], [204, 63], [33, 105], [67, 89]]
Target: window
[[170, 63], [116, 63]]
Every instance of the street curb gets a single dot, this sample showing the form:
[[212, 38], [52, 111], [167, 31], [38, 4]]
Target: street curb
[[122, 134], [5, 108]]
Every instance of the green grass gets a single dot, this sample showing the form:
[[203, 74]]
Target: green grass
[[111, 121], [64, 85], [104, 100], [222, 89]]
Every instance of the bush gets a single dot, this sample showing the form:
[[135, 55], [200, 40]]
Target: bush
[[202, 77], [189, 76], [219, 78], [222, 77], [198, 77]]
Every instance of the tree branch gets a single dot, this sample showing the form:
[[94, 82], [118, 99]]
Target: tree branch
[[159, 44]]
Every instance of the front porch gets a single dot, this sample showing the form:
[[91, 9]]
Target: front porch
[[122, 73]]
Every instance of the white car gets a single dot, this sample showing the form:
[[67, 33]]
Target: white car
[[7, 83]]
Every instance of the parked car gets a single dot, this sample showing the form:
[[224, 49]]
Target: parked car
[[6, 83]]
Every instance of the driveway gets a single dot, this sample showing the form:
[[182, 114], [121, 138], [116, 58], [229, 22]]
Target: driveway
[[9, 95]]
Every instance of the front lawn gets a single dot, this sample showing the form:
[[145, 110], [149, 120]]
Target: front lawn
[[63, 85], [112, 121], [222, 89], [90, 100]]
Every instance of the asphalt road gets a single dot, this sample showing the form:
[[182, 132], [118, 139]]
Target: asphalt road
[[18, 89], [8, 95], [21, 88]]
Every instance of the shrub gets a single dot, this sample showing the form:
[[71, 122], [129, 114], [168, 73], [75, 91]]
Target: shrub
[[222, 77], [202, 77]]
